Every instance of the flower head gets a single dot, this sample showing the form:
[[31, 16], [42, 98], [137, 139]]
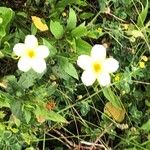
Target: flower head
[[97, 66], [142, 64], [144, 58], [31, 54]]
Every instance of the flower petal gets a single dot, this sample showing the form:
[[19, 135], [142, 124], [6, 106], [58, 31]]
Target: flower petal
[[88, 78], [24, 64], [38, 65], [98, 52], [104, 79], [19, 49], [111, 65], [31, 41], [84, 61], [42, 51]]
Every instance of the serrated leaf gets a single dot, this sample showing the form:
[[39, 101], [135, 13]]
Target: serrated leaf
[[72, 20], [16, 109], [142, 16], [27, 79], [86, 15], [4, 100], [56, 29], [52, 49], [68, 67], [4, 103], [27, 115], [42, 115], [16, 146], [80, 31], [6, 15], [83, 47], [110, 95], [56, 117], [146, 126]]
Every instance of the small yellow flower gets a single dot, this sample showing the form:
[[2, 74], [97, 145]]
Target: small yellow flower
[[125, 26], [142, 64], [97, 66], [31, 54], [64, 14], [117, 77], [144, 58], [99, 29], [123, 92], [39, 24]]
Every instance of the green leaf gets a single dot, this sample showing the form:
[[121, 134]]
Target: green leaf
[[33, 29], [68, 67], [56, 29], [146, 126], [2, 128], [4, 100], [7, 135], [110, 95], [56, 117], [2, 114], [80, 31], [44, 91], [6, 15], [16, 146], [16, 109], [27, 115], [86, 15], [27, 79], [28, 138], [142, 16], [16, 120], [30, 148], [52, 49], [49, 115], [82, 47], [72, 20], [85, 108]]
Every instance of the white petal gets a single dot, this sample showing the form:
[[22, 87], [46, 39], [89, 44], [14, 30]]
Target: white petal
[[84, 61], [19, 49], [88, 78], [98, 52], [24, 64], [111, 65], [38, 65], [104, 79], [42, 51], [31, 41]]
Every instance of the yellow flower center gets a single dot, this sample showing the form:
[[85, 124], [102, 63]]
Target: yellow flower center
[[97, 67], [31, 53]]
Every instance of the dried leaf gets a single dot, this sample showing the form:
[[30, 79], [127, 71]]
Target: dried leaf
[[113, 112], [39, 24]]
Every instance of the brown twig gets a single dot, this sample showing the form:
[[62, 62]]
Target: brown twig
[[106, 129]]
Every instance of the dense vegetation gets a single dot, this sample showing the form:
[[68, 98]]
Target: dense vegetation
[[46, 103]]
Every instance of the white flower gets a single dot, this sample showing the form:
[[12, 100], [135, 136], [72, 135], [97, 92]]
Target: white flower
[[31, 54], [97, 66]]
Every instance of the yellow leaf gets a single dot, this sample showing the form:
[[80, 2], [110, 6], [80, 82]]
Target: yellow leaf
[[39, 24], [113, 112]]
